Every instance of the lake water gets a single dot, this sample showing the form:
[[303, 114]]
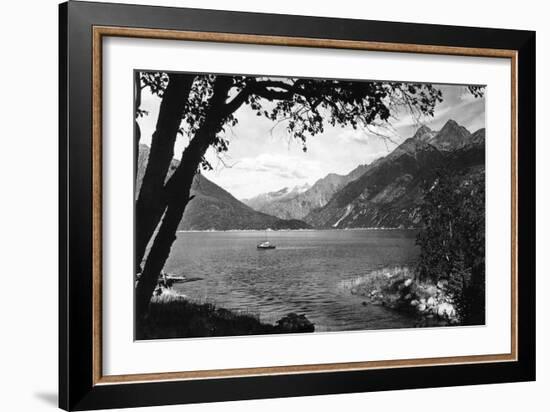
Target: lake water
[[303, 274]]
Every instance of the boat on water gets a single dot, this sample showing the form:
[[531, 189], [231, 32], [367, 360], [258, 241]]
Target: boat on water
[[170, 278], [265, 245], [174, 278]]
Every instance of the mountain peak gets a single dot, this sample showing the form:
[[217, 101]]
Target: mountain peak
[[451, 124], [300, 188], [422, 130], [478, 137], [424, 133], [280, 192], [451, 136]]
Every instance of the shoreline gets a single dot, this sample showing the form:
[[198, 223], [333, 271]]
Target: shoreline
[[172, 315], [299, 230], [397, 288], [175, 315]]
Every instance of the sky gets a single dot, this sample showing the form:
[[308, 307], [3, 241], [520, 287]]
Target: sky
[[263, 158]]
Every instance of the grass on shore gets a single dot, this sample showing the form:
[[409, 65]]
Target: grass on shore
[[173, 316], [378, 279]]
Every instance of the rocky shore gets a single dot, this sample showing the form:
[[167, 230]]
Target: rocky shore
[[397, 288]]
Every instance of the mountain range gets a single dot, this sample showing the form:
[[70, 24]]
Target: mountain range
[[213, 208], [390, 192], [296, 204], [386, 193], [280, 195]]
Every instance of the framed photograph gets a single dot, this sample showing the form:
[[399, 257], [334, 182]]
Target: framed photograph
[[257, 205]]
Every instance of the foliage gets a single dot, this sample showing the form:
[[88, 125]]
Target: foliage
[[156, 81], [452, 239], [304, 105], [477, 91]]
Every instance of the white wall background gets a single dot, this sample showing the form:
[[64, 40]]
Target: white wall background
[[28, 206]]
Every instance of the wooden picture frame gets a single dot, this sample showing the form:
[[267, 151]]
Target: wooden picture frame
[[82, 385]]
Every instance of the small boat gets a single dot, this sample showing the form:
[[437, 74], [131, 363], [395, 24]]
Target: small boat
[[265, 245], [174, 278]]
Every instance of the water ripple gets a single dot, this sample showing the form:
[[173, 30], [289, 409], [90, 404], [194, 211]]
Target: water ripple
[[304, 274]]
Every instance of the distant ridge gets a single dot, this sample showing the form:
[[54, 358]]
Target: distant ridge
[[213, 208], [286, 193], [389, 193], [297, 205], [384, 194]]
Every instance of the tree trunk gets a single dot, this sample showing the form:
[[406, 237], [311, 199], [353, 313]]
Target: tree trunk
[[137, 130], [178, 194], [178, 191], [159, 253], [151, 201]]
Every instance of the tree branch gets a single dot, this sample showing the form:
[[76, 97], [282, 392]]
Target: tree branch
[[233, 105], [265, 88]]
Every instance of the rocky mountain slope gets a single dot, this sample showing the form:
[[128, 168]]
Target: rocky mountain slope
[[264, 199], [386, 193], [215, 208], [390, 191], [452, 136], [296, 204]]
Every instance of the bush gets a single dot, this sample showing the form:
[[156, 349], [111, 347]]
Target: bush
[[452, 239]]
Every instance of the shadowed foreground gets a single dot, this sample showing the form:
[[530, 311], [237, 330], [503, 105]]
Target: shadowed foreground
[[173, 316]]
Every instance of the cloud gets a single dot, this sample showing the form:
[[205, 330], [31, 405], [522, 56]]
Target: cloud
[[467, 97], [248, 176], [288, 167], [350, 135]]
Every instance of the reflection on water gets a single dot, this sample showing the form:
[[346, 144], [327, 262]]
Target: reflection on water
[[303, 274]]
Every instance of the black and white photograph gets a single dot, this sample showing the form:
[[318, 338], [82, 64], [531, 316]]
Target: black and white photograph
[[268, 205], [249, 206]]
